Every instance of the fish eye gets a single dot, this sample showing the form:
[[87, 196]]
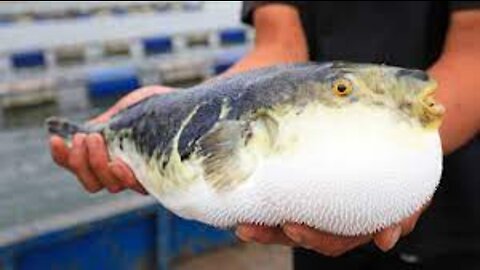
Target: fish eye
[[342, 87]]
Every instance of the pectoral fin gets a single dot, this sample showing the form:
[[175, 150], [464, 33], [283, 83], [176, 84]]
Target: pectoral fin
[[227, 162]]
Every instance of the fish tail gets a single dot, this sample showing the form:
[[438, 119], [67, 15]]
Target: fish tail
[[66, 128]]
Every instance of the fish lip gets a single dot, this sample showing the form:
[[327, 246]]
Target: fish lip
[[428, 101], [430, 89], [431, 112]]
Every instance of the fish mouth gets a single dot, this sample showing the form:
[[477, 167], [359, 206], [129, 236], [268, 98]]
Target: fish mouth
[[430, 105], [432, 111]]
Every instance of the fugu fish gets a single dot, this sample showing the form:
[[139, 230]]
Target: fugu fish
[[345, 148]]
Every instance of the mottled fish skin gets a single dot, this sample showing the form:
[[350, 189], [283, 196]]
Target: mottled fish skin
[[215, 120], [154, 123]]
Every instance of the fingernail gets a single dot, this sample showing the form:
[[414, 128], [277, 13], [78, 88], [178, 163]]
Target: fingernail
[[94, 189], [114, 189], [114, 168], [394, 237], [78, 137], [292, 233], [243, 234]]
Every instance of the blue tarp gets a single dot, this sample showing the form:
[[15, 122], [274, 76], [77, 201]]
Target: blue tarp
[[28, 59], [112, 81], [157, 45]]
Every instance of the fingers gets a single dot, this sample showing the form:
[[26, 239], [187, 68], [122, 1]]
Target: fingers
[[98, 161], [87, 158], [324, 243], [122, 172], [387, 238], [76, 162], [59, 151], [299, 235], [263, 235], [409, 223]]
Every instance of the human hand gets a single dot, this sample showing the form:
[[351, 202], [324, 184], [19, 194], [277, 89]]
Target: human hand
[[296, 235], [88, 158]]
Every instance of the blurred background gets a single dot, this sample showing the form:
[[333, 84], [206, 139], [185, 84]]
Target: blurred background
[[75, 59]]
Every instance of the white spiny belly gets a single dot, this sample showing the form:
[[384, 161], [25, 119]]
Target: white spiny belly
[[348, 172]]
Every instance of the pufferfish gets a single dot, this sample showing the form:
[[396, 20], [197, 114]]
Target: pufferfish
[[346, 148]]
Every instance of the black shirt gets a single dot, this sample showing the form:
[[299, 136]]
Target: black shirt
[[408, 34]]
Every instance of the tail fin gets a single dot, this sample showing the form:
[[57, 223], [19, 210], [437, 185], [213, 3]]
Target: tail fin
[[66, 129]]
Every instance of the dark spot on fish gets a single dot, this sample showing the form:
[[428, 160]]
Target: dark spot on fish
[[165, 163], [185, 155], [247, 134], [405, 105]]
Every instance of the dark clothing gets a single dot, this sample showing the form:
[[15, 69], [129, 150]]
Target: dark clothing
[[408, 34], [405, 33]]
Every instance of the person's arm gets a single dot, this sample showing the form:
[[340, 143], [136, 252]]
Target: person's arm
[[458, 74], [279, 38]]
